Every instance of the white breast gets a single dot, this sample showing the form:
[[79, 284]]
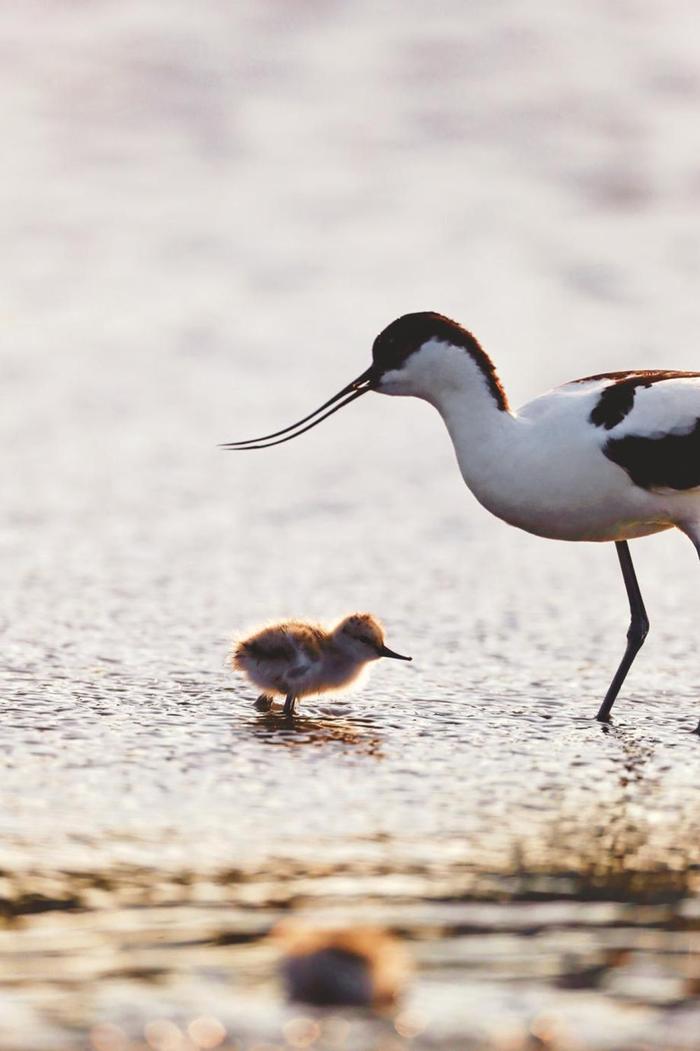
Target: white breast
[[544, 470]]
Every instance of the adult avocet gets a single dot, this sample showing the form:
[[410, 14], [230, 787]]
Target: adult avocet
[[605, 458], [296, 659]]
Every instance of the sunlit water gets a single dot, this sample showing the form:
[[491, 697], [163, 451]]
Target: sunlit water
[[209, 211]]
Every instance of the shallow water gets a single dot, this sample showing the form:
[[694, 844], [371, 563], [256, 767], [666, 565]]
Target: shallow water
[[208, 214]]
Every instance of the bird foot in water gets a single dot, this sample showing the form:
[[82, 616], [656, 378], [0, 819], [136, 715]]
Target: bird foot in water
[[263, 703]]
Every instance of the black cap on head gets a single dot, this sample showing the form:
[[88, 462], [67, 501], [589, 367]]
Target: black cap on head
[[408, 333]]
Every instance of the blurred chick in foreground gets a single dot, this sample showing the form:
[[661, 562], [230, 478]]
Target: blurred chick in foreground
[[353, 967]]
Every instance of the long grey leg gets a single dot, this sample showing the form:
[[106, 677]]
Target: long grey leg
[[636, 634], [289, 703]]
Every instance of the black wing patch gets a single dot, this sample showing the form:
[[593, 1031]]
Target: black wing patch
[[670, 462], [613, 405], [616, 401]]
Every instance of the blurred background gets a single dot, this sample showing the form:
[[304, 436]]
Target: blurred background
[[208, 212]]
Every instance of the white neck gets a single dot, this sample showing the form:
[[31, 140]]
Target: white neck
[[468, 400], [482, 437]]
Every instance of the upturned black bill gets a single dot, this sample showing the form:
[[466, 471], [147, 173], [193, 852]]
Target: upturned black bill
[[354, 390]]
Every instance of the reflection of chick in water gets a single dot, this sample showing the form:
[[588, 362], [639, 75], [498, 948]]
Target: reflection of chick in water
[[361, 966], [319, 732], [294, 659]]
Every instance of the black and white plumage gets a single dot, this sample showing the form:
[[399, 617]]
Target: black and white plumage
[[654, 457], [609, 457]]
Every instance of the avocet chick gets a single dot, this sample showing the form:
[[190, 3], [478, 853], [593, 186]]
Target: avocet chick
[[294, 659], [354, 967]]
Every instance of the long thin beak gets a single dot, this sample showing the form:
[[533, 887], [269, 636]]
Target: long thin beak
[[384, 651], [355, 389]]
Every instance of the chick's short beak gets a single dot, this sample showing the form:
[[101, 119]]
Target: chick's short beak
[[384, 651]]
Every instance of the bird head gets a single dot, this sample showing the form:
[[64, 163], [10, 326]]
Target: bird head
[[362, 635], [423, 354]]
